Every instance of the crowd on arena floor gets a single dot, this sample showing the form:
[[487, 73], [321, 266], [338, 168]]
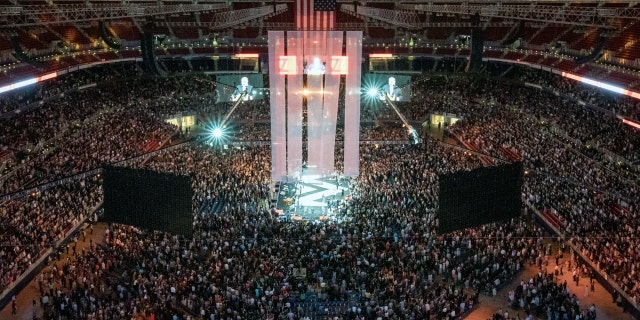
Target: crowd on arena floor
[[241, 258]]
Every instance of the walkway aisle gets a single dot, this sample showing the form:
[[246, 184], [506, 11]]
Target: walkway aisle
[[24, 300], [605, 308]]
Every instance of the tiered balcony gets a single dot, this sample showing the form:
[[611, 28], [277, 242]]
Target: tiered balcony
[[631, 52], [162, 30], [533, 58], [59, 63], [381, 33], [439, 33], [178, 51], [207, 50], [583, 70], [627, 36], [529, 29], [246, 33], [514, 56], [5, 44], [285, 17], [548, 61], [464, 52], [548, 34], [565, 65], [493, 54], [93, 31], [226, 50], [184, 32], [109, 55], [86, 58], [31, 41], [619, 78], [444, 51], [496, 33], [423, 50], [342, 17], [47, 37], [125, 29], [130, 54], [587, 41], [5, 78], [22, 72], [573, 35], [71, 34]]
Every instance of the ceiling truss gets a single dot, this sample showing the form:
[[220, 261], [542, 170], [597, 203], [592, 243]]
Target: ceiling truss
[[222, 20], [580, 16], [405, 19], [35, 15]]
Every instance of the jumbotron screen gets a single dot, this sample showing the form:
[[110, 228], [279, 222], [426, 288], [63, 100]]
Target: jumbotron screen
[[148, 200], [380, 86], [231, 88]]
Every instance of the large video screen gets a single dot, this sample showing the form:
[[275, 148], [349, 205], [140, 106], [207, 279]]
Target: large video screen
[[240, 86], [484, 195], [148, 200], [396, 87]]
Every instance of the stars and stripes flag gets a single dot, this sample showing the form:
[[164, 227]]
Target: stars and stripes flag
[[315, 14]]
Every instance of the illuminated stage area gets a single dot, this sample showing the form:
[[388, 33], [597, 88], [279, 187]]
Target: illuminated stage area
[[313, 198]]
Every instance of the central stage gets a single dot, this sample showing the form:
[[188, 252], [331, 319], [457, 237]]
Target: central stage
[[313, 198]]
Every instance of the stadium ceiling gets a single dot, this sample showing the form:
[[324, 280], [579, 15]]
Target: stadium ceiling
[[406, 19], [48, 14], [226, 19], [34, 15], [602, 17], [61, 12]]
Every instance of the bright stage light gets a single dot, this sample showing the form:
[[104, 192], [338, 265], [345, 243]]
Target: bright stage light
[[217, 133], [372, 92]]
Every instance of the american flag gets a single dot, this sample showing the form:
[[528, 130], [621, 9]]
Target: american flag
[[315, 14]]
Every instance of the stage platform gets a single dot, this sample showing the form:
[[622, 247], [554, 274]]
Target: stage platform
[[313, 198]]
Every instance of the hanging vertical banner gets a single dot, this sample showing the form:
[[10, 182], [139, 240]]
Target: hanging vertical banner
[[331, 94], [314, 68], [278, 102], [295, 47], [352, 105], [305, 69]]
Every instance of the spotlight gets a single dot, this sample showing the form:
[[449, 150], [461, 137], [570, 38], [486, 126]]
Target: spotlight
[[217, 133], [372, 92]]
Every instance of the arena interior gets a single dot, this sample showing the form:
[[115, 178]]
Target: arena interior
[[310, 203]]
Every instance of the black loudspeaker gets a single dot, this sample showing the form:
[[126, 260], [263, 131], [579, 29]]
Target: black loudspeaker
[[107, 37], [147, 45], [148, 200], [19, 54], [596, 53], [514, 35], [469, 199], [477, 45]]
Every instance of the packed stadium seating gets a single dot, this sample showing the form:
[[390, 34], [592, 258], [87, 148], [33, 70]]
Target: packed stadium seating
[[382, 256]]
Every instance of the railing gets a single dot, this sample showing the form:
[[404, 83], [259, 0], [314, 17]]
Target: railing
[[603, 277], [23, 280]]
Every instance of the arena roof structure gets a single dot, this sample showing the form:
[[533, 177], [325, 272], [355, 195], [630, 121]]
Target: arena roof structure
[[40, 37]]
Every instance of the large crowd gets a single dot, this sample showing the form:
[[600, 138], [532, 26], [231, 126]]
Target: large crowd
[[384, 260]]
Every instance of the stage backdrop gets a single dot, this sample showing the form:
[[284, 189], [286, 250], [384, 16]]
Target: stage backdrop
[[310, 67]]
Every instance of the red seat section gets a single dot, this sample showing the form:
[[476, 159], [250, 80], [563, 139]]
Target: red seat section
[[124, 29], [71, 34]]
